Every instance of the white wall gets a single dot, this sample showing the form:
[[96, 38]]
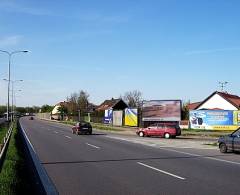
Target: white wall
[[55, 110], [217, 101]]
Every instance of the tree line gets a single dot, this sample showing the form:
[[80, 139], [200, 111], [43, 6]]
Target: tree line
[[80, 102]]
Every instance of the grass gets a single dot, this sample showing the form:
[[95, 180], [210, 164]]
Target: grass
[[185, 132], [97, 126], [106, 127], [3, 131], [14, 176]]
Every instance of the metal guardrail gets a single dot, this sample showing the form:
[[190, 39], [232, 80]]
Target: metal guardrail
[[48, 186], [4, 146]]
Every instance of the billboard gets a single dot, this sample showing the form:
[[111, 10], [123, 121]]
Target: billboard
[[161, 110], [117, 118], [236, 118], [108, 115], [131, 117], [212, 119]]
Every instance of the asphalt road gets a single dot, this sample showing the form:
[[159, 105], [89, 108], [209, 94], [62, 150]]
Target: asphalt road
[[113, 164]]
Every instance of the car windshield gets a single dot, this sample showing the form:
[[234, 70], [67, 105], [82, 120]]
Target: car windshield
[[236, 133]]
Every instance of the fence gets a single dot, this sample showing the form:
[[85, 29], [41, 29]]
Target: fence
[[4, 145]]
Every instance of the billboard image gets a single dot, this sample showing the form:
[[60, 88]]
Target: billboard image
[[131, 117], [212, 119], [236, 117], [117, 118], [108, 115], [161, 110]]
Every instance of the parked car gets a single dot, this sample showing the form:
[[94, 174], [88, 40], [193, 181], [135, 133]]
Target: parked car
[[230, 142], [163, 130], [82, 128]]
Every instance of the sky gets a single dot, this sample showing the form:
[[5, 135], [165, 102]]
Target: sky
[[167, 49]]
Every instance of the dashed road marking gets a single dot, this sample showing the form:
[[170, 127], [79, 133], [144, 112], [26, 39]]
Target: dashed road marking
[[161, 171], [93, 146], [67, 137]]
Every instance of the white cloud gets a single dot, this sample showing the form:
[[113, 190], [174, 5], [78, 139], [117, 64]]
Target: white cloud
[[10, 40]]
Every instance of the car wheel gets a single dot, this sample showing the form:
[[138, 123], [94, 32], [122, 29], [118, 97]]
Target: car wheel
[[90, 132], [141, 134], [167, 135], [223, 148]]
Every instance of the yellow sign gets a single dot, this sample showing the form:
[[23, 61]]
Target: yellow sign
[[224, 127]]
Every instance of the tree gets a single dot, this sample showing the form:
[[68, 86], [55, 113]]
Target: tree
[[3, 109], [185, 111], [133, 98], [72, 102], [63, 110], [45, 108], [83, 101]]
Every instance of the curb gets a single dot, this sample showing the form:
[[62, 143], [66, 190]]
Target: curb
[[47, 185]]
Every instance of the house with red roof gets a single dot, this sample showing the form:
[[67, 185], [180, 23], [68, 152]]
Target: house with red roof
[[219, 111], [217, 101]]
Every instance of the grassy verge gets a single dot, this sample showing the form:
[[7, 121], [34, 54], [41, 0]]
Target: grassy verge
[[107, 127], [98, 126], [185, 132], [14, 176], [3, 131]]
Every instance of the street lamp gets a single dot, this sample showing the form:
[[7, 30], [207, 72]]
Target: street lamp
[[13, 81], [9, 73], [15, 101]]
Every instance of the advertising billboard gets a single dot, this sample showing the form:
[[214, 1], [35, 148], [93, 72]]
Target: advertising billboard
[[108, 115], [131, 117], [212, 119], [161, 110], [117, 118], [236, 117]]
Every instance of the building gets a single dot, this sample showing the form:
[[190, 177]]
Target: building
[[113, 111]]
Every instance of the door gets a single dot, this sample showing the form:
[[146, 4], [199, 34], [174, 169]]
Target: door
[[236, 140]]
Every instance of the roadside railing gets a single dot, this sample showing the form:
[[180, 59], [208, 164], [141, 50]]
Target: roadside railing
[[4, 144], [46, 185]]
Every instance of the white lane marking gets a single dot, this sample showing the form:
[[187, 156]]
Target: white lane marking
[[207, 157], [93, 146], [161, 171], [67, 137], [181, 152], [226, 161], [55, 132]]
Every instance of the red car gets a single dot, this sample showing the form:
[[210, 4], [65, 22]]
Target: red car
[[162, 130]]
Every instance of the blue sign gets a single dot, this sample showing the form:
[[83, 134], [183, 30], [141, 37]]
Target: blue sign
[[211, 117], [108, 115]]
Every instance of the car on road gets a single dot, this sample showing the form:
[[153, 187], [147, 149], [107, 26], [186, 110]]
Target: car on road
[[82, 128], [163, 130], [230, 142]]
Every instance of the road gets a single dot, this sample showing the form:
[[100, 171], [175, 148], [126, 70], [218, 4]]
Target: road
[[113, 164]]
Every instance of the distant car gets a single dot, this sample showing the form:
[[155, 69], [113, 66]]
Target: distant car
[[31, 118], [230, 142], [82, 128], [163, 130]]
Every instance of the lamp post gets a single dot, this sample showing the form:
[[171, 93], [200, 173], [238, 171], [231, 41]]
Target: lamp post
[[15, 101], [12, 81], [9, 73]]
